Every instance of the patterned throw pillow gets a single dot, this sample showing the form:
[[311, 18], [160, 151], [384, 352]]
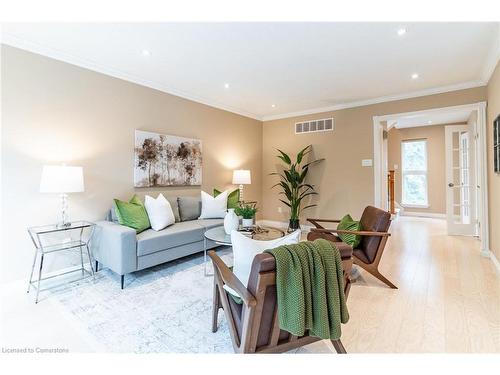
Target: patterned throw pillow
[[132, 214], [347, 223], [233, 198]]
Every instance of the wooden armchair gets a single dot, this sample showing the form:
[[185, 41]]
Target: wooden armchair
[[254, 325], [375, 223]]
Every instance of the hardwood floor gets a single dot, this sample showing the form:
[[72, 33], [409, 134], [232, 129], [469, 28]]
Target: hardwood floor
[[448, 301], [448, 298]]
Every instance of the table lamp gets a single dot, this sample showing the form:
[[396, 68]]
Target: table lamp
[[62, 179], [241, 177]]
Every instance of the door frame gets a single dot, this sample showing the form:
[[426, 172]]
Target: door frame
[[385, 122]]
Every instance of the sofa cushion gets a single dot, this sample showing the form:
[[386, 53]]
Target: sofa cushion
[[175, 207], [189, 208], [178, 234], [210, 223]]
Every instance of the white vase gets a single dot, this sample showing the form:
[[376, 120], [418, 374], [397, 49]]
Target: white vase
[[231, 221], [247, 222]]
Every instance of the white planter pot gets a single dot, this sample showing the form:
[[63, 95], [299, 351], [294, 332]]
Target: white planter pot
[[231, 221], [247, 222]]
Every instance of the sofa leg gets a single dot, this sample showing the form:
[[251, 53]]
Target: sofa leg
[[96, 265], [122, 279]]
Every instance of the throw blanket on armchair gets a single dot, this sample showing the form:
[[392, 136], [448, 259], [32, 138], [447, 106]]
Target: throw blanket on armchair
[[310, 289]]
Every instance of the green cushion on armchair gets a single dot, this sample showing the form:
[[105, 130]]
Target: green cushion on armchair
[[132, 214], [233, 198], [347, 223]]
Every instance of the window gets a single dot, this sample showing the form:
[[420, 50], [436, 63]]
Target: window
[[414, 173]]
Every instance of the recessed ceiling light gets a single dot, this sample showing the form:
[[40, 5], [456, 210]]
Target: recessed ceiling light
[[273, 105], [401, 31], [414, 76], [226, 85], [146, 52]]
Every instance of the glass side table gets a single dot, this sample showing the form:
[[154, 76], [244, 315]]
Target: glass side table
[[50, 239]]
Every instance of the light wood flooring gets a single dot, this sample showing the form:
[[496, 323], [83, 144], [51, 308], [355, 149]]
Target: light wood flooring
[[448, 298], [448, 301]]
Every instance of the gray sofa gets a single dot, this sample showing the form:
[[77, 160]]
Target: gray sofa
[[123, 251]]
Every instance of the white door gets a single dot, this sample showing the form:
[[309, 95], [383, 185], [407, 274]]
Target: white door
[[460, 179]]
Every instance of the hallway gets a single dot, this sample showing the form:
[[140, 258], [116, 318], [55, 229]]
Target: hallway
[[448, 298]]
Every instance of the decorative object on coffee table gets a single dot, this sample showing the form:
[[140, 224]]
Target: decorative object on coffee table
[[241, 177], [247, 211], [231, 221], [62, 179], [293, 184]]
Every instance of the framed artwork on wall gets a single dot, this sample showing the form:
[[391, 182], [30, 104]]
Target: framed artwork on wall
[[166, 160], [496, 144]]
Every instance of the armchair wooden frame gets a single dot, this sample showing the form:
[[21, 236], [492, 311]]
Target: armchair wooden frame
[[371, 268], [253, 306]]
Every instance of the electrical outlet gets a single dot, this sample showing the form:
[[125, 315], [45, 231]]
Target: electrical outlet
[[280, 209]]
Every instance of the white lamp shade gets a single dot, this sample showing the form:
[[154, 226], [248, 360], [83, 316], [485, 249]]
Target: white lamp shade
[[61, 179], [241, 177]]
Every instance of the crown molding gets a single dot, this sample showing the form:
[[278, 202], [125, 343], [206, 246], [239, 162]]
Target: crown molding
[[492, 59], [21, 43], [382, 99]]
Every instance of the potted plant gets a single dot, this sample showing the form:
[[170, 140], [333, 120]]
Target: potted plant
[[247, 211], [293, 184]]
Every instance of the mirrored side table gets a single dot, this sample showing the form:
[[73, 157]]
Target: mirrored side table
[[50, 239]]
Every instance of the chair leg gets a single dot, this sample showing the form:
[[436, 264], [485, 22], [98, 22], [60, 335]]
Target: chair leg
[[216, 305], [337, 344], [375, 272], [122, 280]]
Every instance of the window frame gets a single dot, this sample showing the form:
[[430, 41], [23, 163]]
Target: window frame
[[417, 172]]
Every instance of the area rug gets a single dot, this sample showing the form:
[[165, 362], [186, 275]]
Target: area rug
[[164, 309]]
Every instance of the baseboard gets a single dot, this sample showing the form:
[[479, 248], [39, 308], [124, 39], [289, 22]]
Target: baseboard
[[495, 261], [283, 225], [423, 214]]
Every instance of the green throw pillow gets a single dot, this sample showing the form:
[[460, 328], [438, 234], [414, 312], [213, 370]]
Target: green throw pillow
[[132, 214], [347, 223], [233, 198]]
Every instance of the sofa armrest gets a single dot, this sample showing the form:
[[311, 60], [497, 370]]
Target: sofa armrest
[[115, 246]]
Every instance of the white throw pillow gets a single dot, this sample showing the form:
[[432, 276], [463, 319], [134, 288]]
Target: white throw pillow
[[159, 212], [245, 249], [213, 207]]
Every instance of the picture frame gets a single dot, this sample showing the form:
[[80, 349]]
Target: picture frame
[[496, 144]]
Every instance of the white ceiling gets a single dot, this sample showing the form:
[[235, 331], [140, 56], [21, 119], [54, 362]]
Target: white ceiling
[[430, 118], [298, 67]]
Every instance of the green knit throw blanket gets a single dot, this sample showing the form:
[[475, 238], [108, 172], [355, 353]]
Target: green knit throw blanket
[[310, 289]]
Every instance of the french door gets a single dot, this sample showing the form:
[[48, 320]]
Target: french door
[[461, 212]]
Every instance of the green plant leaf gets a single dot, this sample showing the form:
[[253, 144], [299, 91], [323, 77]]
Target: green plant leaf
[[288, 204], [311, 163], [284, 157], [302, 153]]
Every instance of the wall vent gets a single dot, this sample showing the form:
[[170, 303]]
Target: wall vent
[[314, 126]]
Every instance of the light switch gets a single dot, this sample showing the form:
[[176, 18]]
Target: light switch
[[366, 162]]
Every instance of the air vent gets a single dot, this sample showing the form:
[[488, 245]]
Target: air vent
[[314, 126]]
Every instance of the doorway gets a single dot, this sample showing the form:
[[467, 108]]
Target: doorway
[[466, 184]]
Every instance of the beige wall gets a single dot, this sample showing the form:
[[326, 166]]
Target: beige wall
[[436, 166], [343, 184], [493, 178], [53, 111]]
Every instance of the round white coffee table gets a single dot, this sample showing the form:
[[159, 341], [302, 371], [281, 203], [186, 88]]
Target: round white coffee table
[[219, 236]]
